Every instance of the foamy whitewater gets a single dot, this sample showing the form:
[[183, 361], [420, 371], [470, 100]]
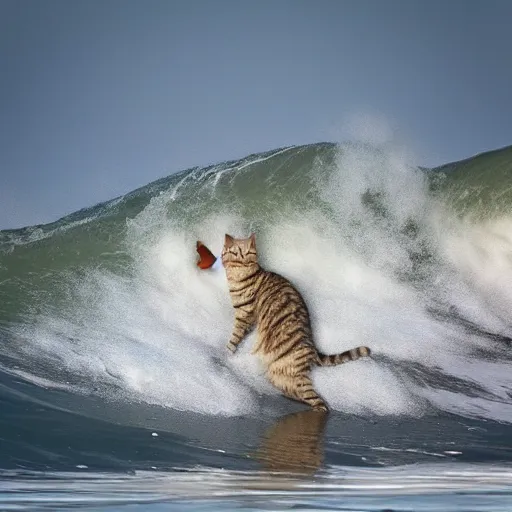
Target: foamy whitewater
[[105, 313]]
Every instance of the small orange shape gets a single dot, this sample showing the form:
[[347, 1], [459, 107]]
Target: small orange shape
[[206, 258]]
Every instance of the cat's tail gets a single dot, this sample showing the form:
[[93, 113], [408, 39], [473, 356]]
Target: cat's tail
[[344, 357]]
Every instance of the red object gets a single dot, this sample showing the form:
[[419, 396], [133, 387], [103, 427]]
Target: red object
[[206, 258]]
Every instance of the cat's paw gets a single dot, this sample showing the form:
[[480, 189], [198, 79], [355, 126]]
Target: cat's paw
[[231, 347]]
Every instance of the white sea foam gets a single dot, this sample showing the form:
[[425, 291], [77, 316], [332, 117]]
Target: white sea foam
[[160, 334], [440, 486]]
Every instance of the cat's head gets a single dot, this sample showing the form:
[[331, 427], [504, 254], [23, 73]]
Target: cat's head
[[239, 251]]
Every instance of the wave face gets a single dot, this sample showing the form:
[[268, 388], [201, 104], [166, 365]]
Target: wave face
[[414, 263]]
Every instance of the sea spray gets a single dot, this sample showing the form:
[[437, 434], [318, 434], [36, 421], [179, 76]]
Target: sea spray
[[382, 258]]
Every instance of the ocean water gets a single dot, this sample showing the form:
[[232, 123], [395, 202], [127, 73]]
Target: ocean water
[[117, 392]]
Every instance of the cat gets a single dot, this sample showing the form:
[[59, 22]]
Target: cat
[[269, 302]]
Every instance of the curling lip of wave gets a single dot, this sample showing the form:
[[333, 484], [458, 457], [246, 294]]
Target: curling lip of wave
[[110, 296]]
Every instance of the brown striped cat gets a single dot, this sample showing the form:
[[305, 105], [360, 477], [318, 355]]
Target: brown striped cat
[[270, 303]]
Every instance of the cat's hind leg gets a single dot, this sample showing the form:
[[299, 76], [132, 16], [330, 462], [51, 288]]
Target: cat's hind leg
[[306, 393], [297, 387]]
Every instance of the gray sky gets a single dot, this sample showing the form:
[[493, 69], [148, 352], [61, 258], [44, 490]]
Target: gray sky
[[98, 97]]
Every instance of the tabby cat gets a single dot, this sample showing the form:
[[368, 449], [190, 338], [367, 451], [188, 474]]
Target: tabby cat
[[272, 304]]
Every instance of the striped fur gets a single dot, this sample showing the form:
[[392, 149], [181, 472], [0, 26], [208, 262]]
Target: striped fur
[[270, 303]]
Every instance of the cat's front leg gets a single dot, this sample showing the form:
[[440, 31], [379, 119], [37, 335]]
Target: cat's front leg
[[243, 324]]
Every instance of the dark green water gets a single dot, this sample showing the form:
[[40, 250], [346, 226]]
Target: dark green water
[[110, 334]]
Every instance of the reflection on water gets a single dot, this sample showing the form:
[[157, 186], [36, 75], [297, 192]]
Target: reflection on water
[[295, 443]]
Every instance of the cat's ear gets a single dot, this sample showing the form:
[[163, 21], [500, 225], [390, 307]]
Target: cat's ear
[[252, 238], [229, 241]]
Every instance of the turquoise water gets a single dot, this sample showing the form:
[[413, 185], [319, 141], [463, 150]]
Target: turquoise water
[[116, 389]]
